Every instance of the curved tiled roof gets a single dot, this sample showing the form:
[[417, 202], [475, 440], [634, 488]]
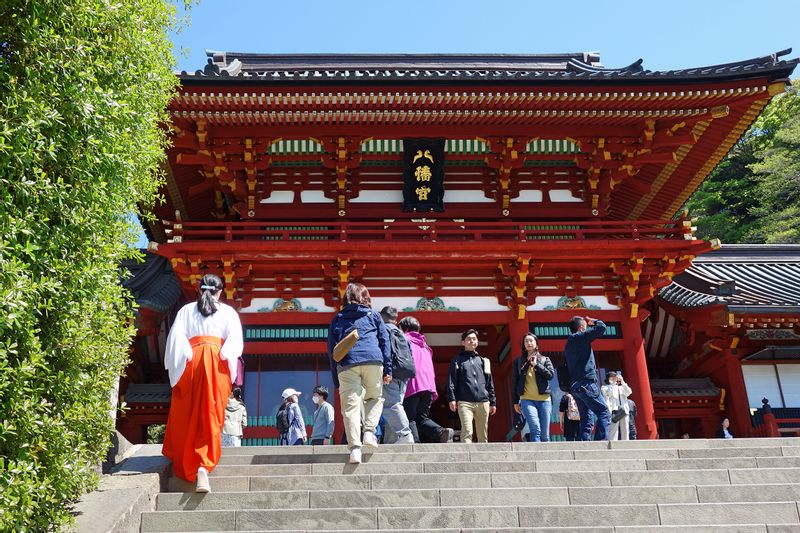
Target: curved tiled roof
[[364, 68], [148, 393], [683, 387], [152, 283], [745, 278]]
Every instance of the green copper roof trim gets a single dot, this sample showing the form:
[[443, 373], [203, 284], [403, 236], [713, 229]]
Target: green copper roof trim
[[559, 330], [285, 333], [297, 146], [550, 163], [552, 146]]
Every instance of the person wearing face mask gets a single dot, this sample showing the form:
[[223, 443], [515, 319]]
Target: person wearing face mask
[[323, 417]]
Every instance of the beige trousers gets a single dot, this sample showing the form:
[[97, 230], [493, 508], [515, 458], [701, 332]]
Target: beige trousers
[[360, 386], [478, 411]]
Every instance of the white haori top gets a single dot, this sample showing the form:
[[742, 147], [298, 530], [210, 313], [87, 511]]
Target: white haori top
[[189, 323]]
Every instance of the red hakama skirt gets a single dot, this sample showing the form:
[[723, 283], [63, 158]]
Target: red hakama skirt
[[197, 411]]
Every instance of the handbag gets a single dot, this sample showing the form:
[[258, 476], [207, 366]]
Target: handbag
[[345, 345], [618, 414], [519, 422], [572, 409]]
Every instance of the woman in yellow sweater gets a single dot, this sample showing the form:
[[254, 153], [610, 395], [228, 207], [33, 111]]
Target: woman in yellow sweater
[[532, 374]]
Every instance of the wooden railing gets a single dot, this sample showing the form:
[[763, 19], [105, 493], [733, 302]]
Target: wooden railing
[[767, 422], [433, 231]]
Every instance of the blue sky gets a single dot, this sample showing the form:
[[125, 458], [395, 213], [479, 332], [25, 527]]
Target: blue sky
[[667, 34]]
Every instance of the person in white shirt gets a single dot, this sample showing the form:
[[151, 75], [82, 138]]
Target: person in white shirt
[[201, 356], [616, 393]]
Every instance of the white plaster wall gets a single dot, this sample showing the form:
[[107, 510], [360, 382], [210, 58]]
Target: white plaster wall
[[258, 303], [463, 303], [378, 197], [563, 195], [458, 197], [528, 195], [279, 197], [445, 339], [544, 301], [315, 197]]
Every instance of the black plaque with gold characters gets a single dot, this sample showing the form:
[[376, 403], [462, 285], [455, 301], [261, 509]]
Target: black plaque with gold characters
[[423, 175]]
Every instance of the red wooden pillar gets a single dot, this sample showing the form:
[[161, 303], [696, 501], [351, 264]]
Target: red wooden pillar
[[517, 328], [738, 410], [771, 426], [637, 377]]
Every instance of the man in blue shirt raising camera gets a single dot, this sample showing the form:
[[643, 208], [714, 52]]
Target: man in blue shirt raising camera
[[585, 385]]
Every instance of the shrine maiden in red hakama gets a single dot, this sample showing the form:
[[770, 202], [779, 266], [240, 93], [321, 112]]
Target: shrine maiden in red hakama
[[201, 357]]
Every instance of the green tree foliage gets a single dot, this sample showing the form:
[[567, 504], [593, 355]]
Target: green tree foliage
[[752, 195], [83, 88], [778, 171]]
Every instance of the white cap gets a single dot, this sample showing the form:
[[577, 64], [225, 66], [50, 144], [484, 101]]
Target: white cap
[[289, 392]]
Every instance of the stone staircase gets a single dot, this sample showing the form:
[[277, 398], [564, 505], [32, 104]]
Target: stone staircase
[[741, 485]]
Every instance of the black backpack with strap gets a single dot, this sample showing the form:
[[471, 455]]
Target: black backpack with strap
[[282, 419], [402, 359], [564, 381]]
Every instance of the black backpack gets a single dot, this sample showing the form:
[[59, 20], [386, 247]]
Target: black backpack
[[282, 419], [402, 359], [564, 381]]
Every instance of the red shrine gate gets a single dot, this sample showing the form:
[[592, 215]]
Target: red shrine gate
[[561, 181]]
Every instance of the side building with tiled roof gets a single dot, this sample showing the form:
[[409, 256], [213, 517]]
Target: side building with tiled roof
[[733, 319]]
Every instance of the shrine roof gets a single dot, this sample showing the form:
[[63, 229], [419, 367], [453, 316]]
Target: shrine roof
[[148, 393], [470, 68], [683, 387], [152, 283], [745, 278]]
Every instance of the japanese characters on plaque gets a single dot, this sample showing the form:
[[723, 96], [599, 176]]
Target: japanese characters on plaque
[[423, 174]]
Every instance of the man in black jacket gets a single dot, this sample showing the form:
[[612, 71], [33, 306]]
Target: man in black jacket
[[470, 389]]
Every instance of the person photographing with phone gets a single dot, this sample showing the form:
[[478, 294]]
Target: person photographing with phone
[[584, 383], [616, 393], [532, 374]]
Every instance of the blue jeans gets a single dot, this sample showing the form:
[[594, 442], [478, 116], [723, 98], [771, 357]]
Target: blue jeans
[[537, 414], [587, 396], [398, 430]]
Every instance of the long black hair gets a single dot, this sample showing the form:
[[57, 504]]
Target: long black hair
[[525, 351], [209, 286]]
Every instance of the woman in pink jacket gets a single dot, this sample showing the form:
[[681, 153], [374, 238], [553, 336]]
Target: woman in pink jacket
[[421, 389]]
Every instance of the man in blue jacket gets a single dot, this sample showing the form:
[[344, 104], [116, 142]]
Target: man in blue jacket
[[583, 376]]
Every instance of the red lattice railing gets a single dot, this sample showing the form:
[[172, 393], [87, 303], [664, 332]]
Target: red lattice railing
[[432, 231]]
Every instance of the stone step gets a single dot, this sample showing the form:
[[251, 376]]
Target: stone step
[[703, 443], [518, 456], [385, 467], [416, 518], [719, 528], [295, 499], [563, 478], [292, 499], [674, 444]]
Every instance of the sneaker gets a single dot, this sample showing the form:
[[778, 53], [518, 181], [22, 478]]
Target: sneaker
[[408, 439], [355, 456], [370, 440], [446, 435], [202, 481]]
